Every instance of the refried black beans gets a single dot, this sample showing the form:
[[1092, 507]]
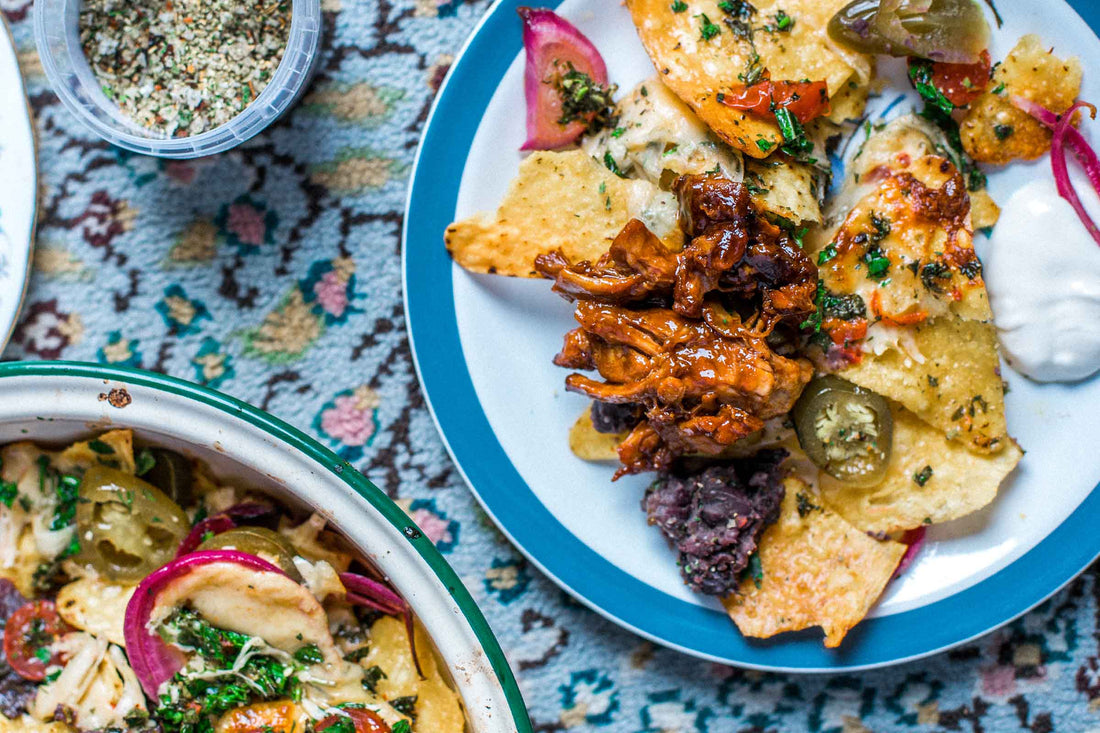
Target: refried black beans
[[714, 518]]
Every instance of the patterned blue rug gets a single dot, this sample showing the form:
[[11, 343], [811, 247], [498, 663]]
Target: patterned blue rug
[[273, 273]]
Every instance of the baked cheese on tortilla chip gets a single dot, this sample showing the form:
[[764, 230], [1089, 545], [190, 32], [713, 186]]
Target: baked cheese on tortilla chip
[[699, 55], [815, 570], [564, 201]]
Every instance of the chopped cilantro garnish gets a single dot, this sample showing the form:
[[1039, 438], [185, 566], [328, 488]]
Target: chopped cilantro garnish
[[144, 462], [401, 726], [805, 506], [98, 446], [795, 142], [609, 161], [783, 23], [753, 570], [679, 6], [763, 144], [371, 677], [708, 30], [921, 477], [405, 705], [309, 654], [878, 264], [826, 254], [585, 100], [920, 74], [8, 492]]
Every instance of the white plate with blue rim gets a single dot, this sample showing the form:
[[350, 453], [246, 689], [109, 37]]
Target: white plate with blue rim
[[18, 186], [483, 347]]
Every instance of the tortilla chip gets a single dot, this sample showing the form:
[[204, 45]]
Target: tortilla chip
[[787, 188], [956, 481], [563, 201], [27, 560], [995, 130], [588, 444], [818, 570], [932, 266], [114, 449], [697, 70], [957, 390], [95, 605], [984, 211]]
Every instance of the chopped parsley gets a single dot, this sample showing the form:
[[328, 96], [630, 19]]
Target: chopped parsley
[[933, 274], [8, 492], [1003, 132], [739, 20], [405, 705], [920, 478], [795, 144], [999, 89], [585, 100], [763, 144], [225, 673], [972, 269], [401, 726], [826, 254], [144, 462], [679, 6], [609, 161], [371, 677], [847, 307], [708, 30], [67, 496], [805, 506], [881, 227], [342, 724], [309, 654], [618, 132], [783, 23], [753, 570], [920, 74], [878, 264], [98, 446]]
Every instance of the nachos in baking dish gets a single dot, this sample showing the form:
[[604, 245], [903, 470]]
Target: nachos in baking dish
[[802, 356]]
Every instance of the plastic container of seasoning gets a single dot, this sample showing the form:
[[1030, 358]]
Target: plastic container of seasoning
[[57, 35]]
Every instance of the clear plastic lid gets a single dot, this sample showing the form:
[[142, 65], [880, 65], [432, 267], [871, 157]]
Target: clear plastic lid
[[57, 35]]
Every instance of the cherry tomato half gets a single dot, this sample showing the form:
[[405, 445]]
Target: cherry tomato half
[[365, 721], [27, 638], [961, 83], [804, 99]]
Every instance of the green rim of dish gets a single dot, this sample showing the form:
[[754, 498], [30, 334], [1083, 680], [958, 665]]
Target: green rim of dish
[[334, 464]]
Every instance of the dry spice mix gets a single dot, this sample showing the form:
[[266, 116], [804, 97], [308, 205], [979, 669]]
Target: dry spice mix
[[184, 66]]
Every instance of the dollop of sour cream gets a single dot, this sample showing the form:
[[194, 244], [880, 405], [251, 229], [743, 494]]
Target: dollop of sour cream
[[1042, 271]]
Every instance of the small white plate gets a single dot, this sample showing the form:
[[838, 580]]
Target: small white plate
[[18, 187]]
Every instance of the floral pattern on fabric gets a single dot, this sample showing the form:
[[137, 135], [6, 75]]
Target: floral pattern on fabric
[[272, 272]]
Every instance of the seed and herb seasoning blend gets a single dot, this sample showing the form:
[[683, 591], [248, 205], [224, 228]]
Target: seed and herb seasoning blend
[[184, 66]]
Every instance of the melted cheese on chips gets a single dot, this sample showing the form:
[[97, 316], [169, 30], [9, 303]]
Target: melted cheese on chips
[[995, 130], [930, 268], [818, 570], [930, 479], [658, 138], [698, 56], [564, 201], [957, 388]]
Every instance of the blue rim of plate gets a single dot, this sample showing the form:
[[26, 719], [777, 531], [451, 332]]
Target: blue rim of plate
[[703, 632]]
